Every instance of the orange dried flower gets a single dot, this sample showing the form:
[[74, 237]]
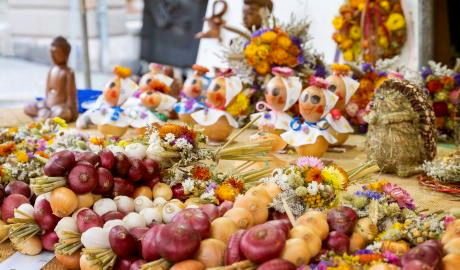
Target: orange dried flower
[[176, 130], [226, 193], [234, 182], [201, 173], [42, 154], [313, 174], [7, 148], [367, 258]]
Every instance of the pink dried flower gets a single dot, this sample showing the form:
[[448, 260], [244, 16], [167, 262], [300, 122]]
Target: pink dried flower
[[310, 162], [448, 220], [401, 196], [391, 258]]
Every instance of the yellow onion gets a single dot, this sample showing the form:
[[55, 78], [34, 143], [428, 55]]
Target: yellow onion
[[63, 201]]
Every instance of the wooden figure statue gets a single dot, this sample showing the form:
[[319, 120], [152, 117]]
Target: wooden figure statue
[[254, 11], [60, 93]]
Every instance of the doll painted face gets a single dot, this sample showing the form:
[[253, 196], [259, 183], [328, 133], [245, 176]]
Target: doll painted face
[[337, 86], [312, 103], [112, 92], [193, 86], [275, 94], [150, 99], [216, 92]]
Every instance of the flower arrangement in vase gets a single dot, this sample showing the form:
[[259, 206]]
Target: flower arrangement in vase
[[108, 112], [281, 93], [191, 95], [224, 101], [310, 137], [344, 87]]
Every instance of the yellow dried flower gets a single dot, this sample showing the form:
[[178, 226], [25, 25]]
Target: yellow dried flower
[[385, 5], [96, 141], [12, 130], [263, 67], [395, 22], [348, 55], [239, 105], [284, 42], [383, 41], [337, 22], [263, 51], [355, 32], [250, 50], [22, 156], [346, 43], [122, 143], [61, 122], [226, 193], [268, 37], [334, 176]]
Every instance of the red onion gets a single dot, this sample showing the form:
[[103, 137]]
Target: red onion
[[342, 219], [138, 233], [122, 187], [195, 219], [277, 264], [177, 242], [43, 215], [89, 157], [2, 193], [417, 265], [152, 182], [59, 163], [17, 187], [152, 169], [87, 219], [224, 207], [104, 181], [123, 264], [178, 192], [211, 210], [49, 239], [262, 243], [122, 164], [112, 215], [233, 253], [107, 159], [282, 224], [338, 242], [150, 250], [137, 170], [428, 252], [82, 178], [278, 215], [137, 264], [122, 242], [10, 203]]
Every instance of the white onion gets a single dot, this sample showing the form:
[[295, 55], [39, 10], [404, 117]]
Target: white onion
[[133, 220], [159, 201], [112, 223], [152, 215], [115, 148], [169, 210], [124, 204], [27, 209], [103, 206], [95, 237], [135, 150], [142, 202], [44, 196], [66, 224], [192, 206]]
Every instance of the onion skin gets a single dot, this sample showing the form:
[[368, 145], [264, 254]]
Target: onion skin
[[296, 251], [87, 219], [224, 207], [211, 252], [417, 265], [86, 264], [188, 265], [89, 157], [242, 217], [150, 250], [317, 222], [82, 178], [283, 224], [428, 252], [63, 202], [195, 219], [137, 170], [10, 203], [122, 264], [43, 215], [178, 192], [112, 215], [122, 164], [85, 200], [277, 264], [152, 169], [153, 181], [177, 242], [32, 246], [211, 211], [122, 242], [136, 265], [223, 228], [233, 253], [261, 193], [262, 243], [143, 191], [17, 187], [104, 181], [138, 233], [451, 261], [257, 208], [122, 187], [342, 219], [59, 163], [338, 242], [49, 239], [71, 262], [107, 159], [307, 234], [162, 190]]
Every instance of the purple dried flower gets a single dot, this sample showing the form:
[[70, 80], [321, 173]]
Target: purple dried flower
[[426, 71], [382, 73], [401, 196], [367, 67], [457, 79], [30, 155], [369, 194], [363, 251], [320, 71], [211, 186]]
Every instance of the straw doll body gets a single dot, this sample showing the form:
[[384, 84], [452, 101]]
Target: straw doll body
[[281, 93], [191, 96], [344, 87], [310, 137], [215, 120]]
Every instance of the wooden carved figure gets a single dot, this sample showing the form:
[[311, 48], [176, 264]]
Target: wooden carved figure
[[342, 85], [191, 96], [60, 93], [310, 137], [281, 93], [254, 11], [217, 123]]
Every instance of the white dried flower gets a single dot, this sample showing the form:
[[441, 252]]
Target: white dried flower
[[312, 188], [169, 138], [183, 144], [188, 185]]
